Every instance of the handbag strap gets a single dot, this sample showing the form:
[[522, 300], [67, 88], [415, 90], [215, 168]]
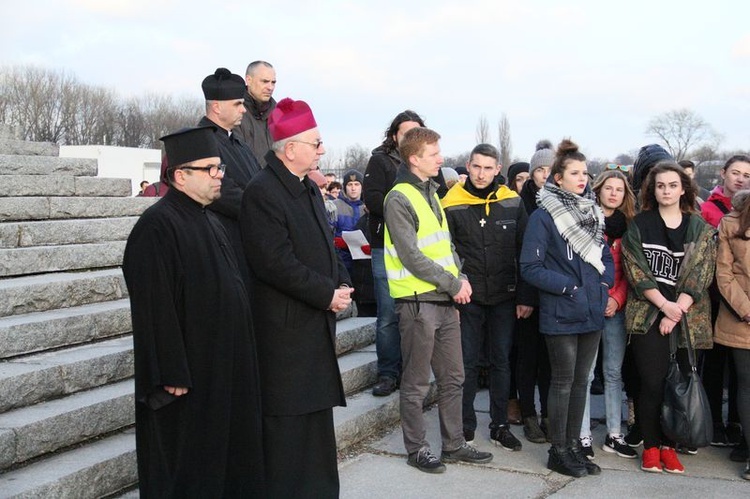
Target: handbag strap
[[688, 342]]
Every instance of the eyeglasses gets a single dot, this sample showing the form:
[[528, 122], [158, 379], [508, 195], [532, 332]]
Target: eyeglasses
[[615, 166], [316, 145], [213, 170]]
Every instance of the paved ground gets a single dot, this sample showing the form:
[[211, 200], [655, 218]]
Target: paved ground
[[381, 471]]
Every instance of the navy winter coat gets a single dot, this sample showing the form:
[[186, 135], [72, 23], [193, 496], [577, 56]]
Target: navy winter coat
[[548, 263]]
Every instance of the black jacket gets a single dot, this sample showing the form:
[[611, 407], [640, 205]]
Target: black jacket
[[295, 270], [379, 178], [253, 129], [488, 244]]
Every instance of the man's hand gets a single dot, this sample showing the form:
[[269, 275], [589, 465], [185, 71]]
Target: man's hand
[[523, 311], [177, 391], [464, 295], [342, 297]]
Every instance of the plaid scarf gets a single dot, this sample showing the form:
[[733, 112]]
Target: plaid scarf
[[579, 221]]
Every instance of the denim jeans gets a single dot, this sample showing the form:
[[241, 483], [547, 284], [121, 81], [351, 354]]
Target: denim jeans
[[498, 321], [571, 357], [387, 336], [614, 340]]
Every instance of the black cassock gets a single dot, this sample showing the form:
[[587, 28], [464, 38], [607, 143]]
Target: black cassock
[[192, 328]]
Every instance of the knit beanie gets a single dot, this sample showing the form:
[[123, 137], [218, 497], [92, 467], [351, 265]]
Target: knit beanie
[[648, 157], [515, 169], [352, 176], [544, 156]]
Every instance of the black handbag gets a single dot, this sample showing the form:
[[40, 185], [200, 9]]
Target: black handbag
[[685, 413]]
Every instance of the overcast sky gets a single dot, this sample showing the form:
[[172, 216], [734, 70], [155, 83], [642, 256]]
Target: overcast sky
[[595, 71]]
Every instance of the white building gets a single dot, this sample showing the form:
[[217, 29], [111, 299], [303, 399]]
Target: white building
[[120, 162]]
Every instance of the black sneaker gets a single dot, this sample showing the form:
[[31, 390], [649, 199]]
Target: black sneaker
[[502, 437], [468, 454], [425, 460], [720, 436], [746, 473], [532, 431], [684, 449], [734, 434], [586, 449], [634, 438], [616, 444], [739, 454], [385, 386], [565, 463], [469, 436]]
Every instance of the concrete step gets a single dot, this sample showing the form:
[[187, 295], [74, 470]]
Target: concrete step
[[354, 333], [27, 380], [359, 369], [11, 164], [38, 331], [11, 146], [25, 295], [56, 232], [25, 261], [32, 431], [63, 185], [94, 470], [53, 208]]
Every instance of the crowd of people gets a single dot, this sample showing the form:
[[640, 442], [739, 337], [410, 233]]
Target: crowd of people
[[516, 278]]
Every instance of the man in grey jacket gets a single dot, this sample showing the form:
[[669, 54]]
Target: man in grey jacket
[[424, 280], [260, 78]]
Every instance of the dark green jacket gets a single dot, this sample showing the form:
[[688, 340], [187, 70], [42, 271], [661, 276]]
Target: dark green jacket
[[696, 274]]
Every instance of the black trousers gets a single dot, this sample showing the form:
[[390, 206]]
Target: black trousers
[[300, 453], [651, 355], [532, 366]]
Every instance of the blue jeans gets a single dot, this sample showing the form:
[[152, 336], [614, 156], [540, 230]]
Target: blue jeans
[[498, 321], [387, 336], [614, 340]]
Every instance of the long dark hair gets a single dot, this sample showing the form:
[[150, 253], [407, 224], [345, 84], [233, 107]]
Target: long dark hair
[[648, 198], [389, 142]]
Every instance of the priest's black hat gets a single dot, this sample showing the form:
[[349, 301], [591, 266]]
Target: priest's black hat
[[223, 85], [190, 144]]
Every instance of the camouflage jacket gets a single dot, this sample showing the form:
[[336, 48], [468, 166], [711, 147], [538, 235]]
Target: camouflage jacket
[[695, 275]]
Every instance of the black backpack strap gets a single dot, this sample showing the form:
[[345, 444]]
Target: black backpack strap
[[720, 205]]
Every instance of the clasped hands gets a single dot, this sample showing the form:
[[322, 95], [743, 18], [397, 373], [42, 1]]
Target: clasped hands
[[342, 297]]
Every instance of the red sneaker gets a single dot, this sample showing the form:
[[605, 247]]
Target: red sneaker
[[650, 460], [669, 459]]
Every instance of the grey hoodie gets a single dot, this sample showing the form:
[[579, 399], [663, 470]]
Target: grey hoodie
[[403, 224]]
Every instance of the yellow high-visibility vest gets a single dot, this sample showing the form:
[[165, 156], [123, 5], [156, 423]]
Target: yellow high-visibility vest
[[433, 240]]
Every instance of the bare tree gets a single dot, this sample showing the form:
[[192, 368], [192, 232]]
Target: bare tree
[[506, 149], [483, 130], [624, 159], [456, 161], [682, 129], [356, 157]]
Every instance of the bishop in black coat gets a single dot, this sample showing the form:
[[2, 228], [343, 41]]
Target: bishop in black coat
[[295, 271]]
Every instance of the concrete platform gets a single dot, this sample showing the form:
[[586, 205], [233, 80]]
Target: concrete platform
[[381, 471]]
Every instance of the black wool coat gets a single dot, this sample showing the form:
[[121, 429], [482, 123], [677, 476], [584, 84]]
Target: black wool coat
[[295, 270]]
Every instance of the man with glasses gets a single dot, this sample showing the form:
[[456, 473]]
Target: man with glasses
[[299, 283], [197, 410], [224, 93]]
